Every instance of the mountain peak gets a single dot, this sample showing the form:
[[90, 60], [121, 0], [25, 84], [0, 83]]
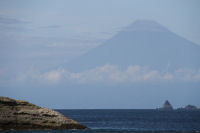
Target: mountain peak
[[145, 25], [144, 43]]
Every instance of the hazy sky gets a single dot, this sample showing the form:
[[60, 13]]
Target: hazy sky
[[80, 25], [36, 35], [69, 28]]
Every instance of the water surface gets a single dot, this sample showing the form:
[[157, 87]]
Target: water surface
[[131, 121]]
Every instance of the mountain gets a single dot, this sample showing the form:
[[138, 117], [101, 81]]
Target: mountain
[[144, 43]]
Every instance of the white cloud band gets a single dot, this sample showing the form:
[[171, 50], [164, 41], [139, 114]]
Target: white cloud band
[[112, 74]]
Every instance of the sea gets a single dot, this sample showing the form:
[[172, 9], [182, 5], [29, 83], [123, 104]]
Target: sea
[[129, 121]]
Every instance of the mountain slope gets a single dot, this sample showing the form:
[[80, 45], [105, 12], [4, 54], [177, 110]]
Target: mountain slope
[[145, 43]]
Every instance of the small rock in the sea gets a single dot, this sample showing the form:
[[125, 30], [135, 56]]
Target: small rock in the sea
[[190, 107], [166, 106]]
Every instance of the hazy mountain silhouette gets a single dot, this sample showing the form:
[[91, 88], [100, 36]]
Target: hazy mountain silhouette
[[145, 43]]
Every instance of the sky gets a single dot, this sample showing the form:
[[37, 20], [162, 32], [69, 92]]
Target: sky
[[36, 36]]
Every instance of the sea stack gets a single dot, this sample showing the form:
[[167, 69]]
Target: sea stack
[[190, 107], [22, 115], [167, 106]]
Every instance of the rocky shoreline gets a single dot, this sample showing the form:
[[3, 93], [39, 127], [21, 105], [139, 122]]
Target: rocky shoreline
[[22, 115]]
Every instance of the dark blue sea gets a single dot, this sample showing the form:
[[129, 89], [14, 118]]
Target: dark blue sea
[[131, 121]]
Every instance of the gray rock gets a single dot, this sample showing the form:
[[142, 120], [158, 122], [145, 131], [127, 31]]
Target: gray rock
[[20, 115], [166, 106], [190, 107]]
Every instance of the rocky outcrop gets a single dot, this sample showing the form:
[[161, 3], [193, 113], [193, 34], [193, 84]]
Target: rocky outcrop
[[189, 107], [20, 115], [166, 106]]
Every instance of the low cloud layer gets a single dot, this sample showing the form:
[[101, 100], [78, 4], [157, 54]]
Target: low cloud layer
[[111, 74]]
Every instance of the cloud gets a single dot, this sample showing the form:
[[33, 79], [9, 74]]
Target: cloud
[[53, 76], [32, 75], [9, 25], [51, 27], [113, 74], [8, 20]]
